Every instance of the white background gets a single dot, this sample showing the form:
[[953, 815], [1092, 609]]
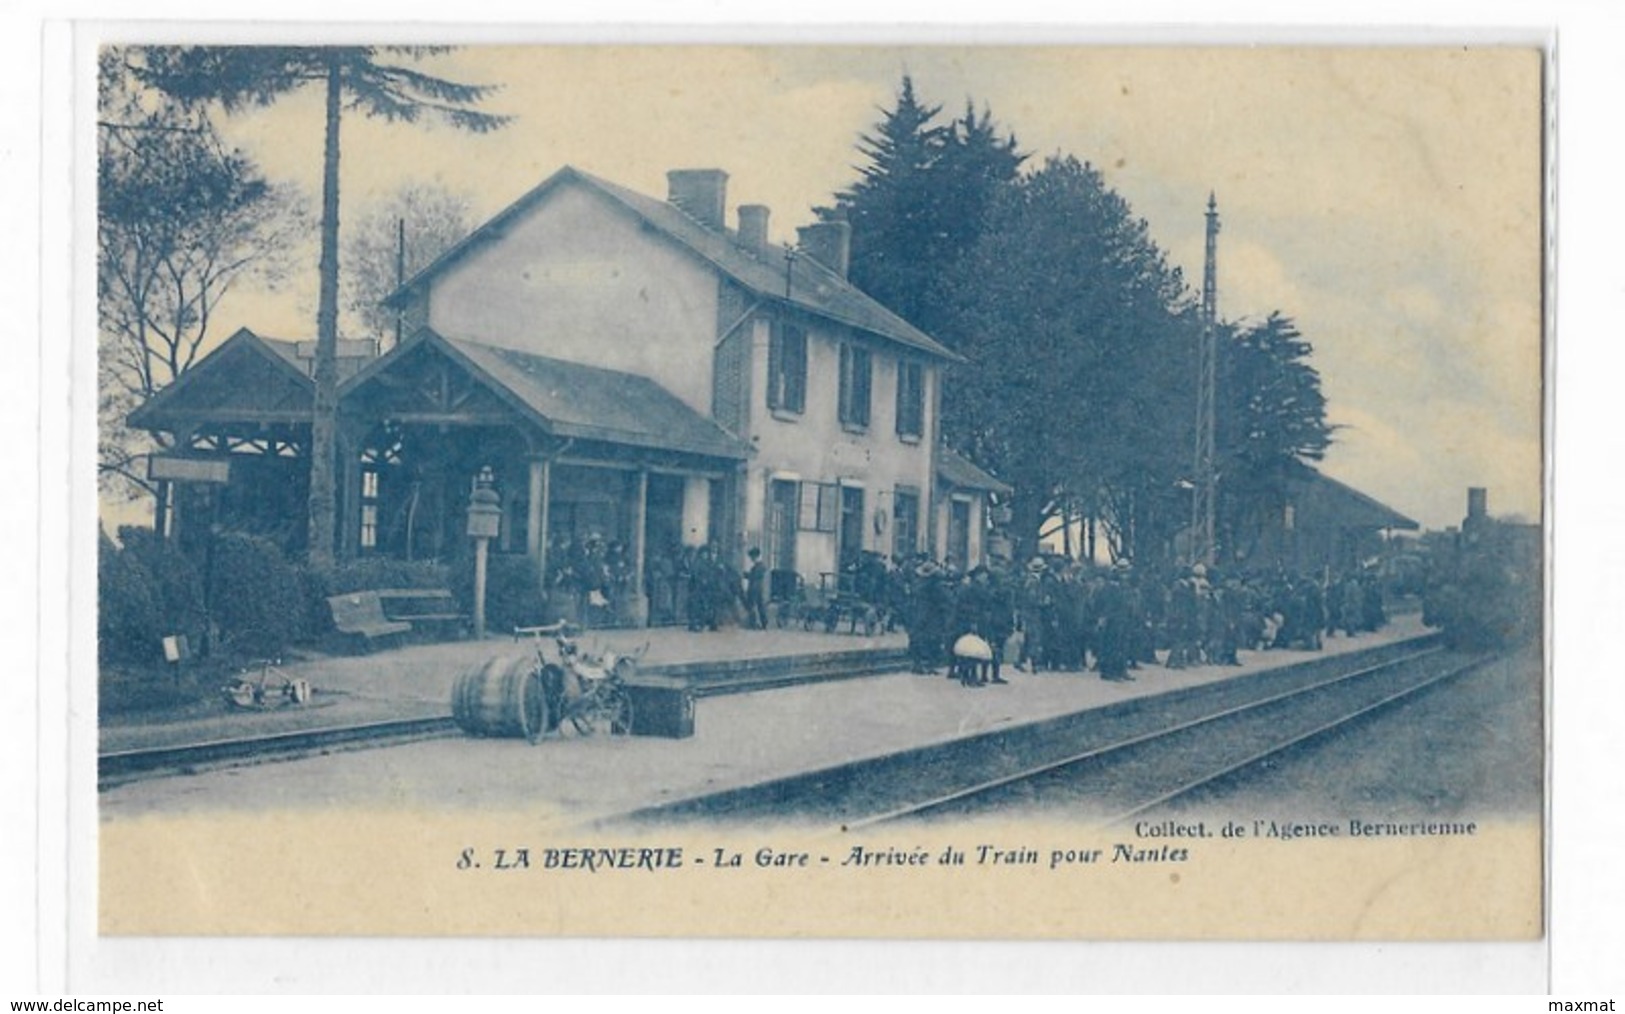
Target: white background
[[1588, 511]]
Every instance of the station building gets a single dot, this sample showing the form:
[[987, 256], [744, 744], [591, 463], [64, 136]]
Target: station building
[[629, 368]]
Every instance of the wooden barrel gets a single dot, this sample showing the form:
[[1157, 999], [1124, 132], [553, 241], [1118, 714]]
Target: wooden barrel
[[501, 697]]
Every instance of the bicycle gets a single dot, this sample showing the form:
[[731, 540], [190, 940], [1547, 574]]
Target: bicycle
[[272, 688], [583, 692]]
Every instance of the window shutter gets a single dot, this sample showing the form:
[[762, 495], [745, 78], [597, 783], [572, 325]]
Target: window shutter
[[863, 370], [775, 367], [798, 370], [843, 410]]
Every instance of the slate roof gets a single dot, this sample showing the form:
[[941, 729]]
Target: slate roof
[[813, 288], [213, 386], [955, 469], [1320, 501], [584, 402]]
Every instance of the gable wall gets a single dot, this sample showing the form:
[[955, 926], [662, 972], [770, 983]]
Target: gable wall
[[578, 278]]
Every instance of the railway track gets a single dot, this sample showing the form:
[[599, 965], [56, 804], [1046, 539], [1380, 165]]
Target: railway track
[[128, 765], [703, 680], [1104, 765], [1118, 782]]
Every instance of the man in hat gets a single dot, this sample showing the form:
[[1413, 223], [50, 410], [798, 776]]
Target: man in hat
[[991, 618], [1030, 610], [927, 615], [756, 590], [1117, 632]]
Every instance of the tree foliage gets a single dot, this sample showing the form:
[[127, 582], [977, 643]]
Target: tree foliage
[[180, 219], [1271, 421], [434, 219], [1080, 338], [1069, 317], [377, 81], [919, 201]]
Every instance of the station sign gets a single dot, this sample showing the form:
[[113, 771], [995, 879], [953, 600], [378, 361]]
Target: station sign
[[176, 469]]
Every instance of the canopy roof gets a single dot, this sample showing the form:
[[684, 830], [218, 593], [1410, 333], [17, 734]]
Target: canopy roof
[[567, 399], [955, 469], [248, 379]]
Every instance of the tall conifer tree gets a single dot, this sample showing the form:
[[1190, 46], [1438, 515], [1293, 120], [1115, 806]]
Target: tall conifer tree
[[379, 82]]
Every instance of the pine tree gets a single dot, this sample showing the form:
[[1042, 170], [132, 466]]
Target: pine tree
[[892, 208], [919, 201], [1069, 317], [1271, 423], [367, 78]]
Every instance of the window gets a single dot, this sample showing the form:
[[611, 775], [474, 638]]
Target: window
[[905, 523], [818, 507], [369, 507], [857, 369], [787, 369], [910, 399]]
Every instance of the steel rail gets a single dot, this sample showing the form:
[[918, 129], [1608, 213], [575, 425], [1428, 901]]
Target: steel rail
[[1279, 748], [1094, 753], [117, 768]]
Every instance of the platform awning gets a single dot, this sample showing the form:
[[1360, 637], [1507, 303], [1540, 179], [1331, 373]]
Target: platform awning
[[563, 399], [954, 469]]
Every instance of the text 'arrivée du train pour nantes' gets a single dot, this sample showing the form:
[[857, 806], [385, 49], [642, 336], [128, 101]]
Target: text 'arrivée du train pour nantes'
[[1165, 841]]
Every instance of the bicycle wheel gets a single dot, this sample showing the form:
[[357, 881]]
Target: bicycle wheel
[[607, 712]]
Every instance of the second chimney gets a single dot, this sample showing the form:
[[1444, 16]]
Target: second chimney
[[828, 243], [702, 193], [753, 227]]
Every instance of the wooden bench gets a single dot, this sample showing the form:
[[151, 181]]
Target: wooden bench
[[424, 608], [361, 614]]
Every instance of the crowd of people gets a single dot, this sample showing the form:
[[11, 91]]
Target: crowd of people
[[689, 585], [1051, 614], [1061, 615]]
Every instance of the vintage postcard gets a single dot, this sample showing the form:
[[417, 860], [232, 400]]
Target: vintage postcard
[[969, 492]]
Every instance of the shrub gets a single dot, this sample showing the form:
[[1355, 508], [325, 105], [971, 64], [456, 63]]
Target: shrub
[[513, 596], [177, 582], [257, 597], [127, 619], [147, 590]]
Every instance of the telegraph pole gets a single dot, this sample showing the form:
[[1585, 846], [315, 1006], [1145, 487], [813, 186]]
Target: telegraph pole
[[1205, 478]]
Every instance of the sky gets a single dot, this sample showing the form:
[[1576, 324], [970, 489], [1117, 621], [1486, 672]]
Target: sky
[[1389, 200]]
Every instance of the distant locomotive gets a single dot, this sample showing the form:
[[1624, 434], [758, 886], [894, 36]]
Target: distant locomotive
[[1485, 582]]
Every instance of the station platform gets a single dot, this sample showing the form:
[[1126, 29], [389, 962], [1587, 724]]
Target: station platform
[[739, 740], [416, 680]]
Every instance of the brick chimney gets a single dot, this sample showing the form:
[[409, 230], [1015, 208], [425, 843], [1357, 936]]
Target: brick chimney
[[753, 227], [703, 193], [828, 243]]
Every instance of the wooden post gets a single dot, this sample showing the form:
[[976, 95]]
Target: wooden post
[[535, 538], [541, 474], [161, 511], [349, 497], [640, 518], [480, 549]]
